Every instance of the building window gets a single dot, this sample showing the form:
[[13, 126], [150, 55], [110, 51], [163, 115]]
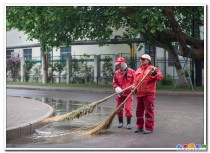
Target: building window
[[27, 53], [150, 50], [9, 52], [64, 51]]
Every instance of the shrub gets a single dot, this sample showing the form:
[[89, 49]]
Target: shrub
[[29, 63], [13, 66], [37, 72], [82, 71], [59, 67], [107, 69], [167, 80]]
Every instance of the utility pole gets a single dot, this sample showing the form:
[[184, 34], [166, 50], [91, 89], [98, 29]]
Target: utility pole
[[193, 61], [132, 55]]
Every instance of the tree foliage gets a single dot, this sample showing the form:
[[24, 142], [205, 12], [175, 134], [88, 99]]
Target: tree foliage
[[159, 26], [57, 25]]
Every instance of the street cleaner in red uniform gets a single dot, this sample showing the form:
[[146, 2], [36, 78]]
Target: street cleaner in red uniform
[[123, 78], [146, 94]]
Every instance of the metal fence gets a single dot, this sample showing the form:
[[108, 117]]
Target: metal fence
[[83, 68]]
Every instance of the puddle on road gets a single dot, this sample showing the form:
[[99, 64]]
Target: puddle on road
[[65, 131]]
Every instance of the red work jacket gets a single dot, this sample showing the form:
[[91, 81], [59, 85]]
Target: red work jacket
[[124, 79], [148, 85]]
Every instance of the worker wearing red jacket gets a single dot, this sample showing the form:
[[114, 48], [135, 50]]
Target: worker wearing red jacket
[[146, 94], [123, 78]]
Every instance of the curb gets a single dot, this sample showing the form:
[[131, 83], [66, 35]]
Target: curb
[[52, 88], [179, 93], [19, 131], [96, 90]]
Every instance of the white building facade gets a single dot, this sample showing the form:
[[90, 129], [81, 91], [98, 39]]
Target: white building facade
[[160, 57]]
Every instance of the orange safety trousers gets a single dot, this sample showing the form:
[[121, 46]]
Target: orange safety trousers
[[145, 112], [127, 107]]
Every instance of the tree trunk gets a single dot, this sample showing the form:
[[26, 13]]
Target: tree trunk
[[59, 78], [169, 48], [176, 28], [44, 66], [197, 46], [182, 81]]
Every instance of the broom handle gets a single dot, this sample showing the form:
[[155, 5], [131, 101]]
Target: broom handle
[[102, 100], [120, 106]]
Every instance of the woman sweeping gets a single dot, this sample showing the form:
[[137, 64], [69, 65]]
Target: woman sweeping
[[146, 95]]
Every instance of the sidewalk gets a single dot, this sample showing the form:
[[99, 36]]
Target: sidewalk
[[23, 116]]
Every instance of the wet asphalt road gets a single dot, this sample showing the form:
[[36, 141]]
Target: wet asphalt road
[[178, 120]]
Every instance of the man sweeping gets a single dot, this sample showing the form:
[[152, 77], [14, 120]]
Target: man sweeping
[[123, 78], [146, 94]]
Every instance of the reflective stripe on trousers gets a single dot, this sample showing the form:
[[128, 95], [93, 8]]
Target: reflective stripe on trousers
[[145, 112]]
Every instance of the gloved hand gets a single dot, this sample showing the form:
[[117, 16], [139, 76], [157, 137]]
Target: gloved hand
[[153, 71], [118, 90]]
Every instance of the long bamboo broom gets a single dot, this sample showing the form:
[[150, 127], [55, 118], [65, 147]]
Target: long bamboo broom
[[80, 111], [105, 124]]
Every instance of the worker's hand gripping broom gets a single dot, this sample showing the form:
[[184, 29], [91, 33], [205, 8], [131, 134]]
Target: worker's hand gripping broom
[[105, 124], [80, 111]]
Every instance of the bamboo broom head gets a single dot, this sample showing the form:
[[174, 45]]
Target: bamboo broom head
[[74, 114], [79, 112], [54, 119], [103, 125], [106, 123]]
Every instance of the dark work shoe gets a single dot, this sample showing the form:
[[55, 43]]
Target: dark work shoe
[[120, 119], [120, 125], [147, 132], [139, 130]]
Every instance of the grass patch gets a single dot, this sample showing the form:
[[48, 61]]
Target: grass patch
[[159, 87], [171, 87], [60, 84]]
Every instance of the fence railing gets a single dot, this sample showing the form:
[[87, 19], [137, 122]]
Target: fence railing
[[83, 69]]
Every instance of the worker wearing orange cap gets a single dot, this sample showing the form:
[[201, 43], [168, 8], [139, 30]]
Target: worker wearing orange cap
[[123, 78]]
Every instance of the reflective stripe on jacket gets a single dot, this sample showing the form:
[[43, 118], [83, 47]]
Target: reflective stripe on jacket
[[148, 86], [124, 79]]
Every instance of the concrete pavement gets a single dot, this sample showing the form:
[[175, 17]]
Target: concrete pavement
[[25, 115]]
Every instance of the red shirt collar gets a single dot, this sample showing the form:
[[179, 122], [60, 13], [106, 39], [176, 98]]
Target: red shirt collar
[[144, 67]]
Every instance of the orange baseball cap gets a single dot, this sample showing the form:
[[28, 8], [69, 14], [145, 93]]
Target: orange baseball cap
[[120, 60]]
